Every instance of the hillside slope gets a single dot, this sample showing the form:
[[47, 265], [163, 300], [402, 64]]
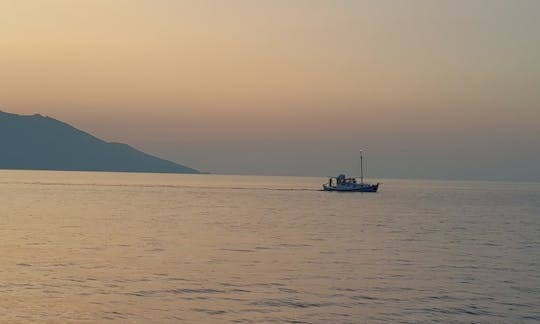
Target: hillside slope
[[43, 143]]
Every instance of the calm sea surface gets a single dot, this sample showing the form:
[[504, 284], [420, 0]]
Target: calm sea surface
[[156, 248]]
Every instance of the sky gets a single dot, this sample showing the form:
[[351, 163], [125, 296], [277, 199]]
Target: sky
[[428, 89]]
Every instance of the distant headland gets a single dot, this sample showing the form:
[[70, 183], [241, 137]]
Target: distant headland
[[36, 142]]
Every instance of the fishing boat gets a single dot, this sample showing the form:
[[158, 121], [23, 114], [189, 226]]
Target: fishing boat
[[342, 183]]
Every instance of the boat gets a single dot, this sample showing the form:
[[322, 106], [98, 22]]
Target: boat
[[344, 184]]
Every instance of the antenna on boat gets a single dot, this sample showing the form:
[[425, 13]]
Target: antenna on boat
[[361, 167]]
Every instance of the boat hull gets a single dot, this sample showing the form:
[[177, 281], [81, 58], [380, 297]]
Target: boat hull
[[357, 188]]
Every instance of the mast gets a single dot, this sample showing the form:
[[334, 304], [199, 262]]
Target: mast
[[361, 168]]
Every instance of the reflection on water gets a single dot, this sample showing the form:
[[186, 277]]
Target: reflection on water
[[93, 247]]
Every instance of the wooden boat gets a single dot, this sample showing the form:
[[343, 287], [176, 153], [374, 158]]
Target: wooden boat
[[342, 183]]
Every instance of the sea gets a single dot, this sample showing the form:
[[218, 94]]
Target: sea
[[91, 247]]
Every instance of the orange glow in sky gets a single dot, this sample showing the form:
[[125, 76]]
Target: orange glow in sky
[[244, 86]]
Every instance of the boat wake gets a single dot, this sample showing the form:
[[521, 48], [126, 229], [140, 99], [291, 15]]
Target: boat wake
[[172, 186]]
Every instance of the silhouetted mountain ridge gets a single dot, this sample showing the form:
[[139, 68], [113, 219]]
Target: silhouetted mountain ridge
[[43, 143]]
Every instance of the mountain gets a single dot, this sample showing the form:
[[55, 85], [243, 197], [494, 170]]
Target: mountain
[[43, 143]]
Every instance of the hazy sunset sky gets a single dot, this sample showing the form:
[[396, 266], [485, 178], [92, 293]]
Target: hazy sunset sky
[[429, 89]]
